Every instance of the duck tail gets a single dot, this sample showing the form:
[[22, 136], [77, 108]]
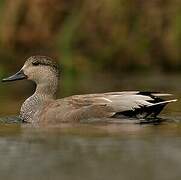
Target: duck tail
[[155, 109], [163, 102]]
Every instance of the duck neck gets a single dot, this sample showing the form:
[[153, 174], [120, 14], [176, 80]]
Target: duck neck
[[47, 90], [44, 92]]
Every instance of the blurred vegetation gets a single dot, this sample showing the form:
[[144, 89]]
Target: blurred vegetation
[[117, 35]]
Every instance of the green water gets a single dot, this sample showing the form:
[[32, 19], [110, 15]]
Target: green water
[[122, 151]]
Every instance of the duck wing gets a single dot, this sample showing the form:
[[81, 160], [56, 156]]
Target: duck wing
[[128, 103], [105, 105]]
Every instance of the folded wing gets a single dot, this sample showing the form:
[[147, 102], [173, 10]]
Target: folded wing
[[128, 103]]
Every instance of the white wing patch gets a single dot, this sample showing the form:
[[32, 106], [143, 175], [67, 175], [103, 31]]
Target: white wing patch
[[106, 99], [127, 102]]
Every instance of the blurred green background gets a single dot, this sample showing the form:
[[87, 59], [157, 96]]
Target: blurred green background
[[101, 45]]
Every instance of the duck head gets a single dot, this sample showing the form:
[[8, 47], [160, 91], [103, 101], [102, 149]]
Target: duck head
[[39, 69]]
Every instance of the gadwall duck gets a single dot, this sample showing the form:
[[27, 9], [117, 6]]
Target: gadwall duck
[[43, 107]]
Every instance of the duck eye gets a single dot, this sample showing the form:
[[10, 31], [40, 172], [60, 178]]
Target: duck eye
[[35, 63]]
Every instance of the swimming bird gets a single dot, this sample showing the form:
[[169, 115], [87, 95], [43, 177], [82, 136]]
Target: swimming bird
[[43, 107]]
